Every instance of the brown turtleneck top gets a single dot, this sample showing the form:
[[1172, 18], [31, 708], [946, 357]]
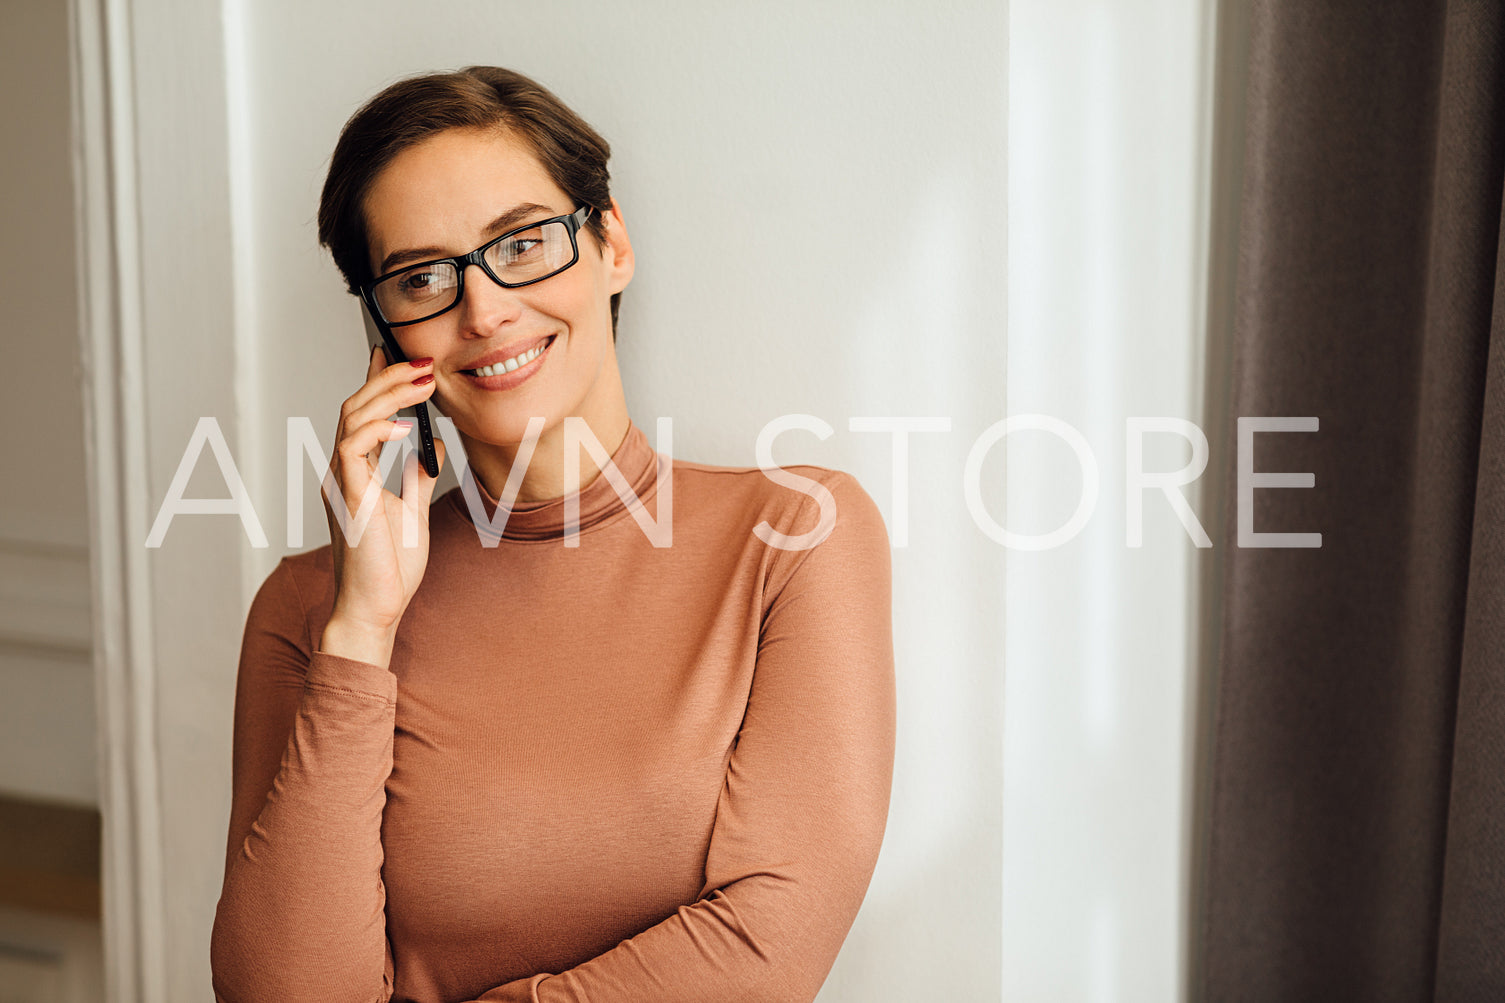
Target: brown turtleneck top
[[609, 772]]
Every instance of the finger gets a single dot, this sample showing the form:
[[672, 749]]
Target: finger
[[415, 500], [367, 440], [388, 390], [417, 495], [375, 364], [355, 474], [389, 401]]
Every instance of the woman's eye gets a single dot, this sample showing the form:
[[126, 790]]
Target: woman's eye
[[521, 247], [418, 284]]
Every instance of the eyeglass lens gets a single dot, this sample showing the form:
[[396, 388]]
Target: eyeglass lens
[[422, 291]]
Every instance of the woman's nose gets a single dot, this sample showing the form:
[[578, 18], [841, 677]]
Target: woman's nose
[[485, 305]]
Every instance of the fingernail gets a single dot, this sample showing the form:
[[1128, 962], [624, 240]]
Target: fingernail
[[406, 426], [420, 381], [420, 363]]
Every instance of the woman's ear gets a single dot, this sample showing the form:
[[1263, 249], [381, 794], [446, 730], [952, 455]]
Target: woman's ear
[[618, 249]]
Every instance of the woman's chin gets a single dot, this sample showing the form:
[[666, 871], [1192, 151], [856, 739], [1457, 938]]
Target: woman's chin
[[508, 430]]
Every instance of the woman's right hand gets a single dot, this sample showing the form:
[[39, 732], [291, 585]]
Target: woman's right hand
[[376, 577]]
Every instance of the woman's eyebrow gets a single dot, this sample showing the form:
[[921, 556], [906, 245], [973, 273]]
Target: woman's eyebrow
[[512, 217], [500, 225]]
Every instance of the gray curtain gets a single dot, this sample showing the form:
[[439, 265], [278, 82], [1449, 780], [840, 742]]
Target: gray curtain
[[1355, 820]]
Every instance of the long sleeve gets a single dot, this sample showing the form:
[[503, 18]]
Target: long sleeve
[[801, 815], [301, 915]]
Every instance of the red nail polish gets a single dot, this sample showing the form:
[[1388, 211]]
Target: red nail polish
[[420, 363], [422, 380]]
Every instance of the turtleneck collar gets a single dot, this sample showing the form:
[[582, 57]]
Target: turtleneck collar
[[599, 502]]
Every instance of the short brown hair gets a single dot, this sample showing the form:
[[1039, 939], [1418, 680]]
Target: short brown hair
[[477, 97]]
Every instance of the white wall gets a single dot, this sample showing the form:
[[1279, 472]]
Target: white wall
[[1108, 167], [821, 203]]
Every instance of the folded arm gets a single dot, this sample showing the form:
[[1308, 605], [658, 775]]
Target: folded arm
[[802, 812]]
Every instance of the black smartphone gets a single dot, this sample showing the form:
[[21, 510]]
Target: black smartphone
[[378, 333]]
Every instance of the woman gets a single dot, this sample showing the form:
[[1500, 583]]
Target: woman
[[538, 757]]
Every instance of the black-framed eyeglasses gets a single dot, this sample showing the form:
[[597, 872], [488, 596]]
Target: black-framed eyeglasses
[[518, 257]]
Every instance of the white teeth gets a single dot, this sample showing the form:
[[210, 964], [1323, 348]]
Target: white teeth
[[512, 363]]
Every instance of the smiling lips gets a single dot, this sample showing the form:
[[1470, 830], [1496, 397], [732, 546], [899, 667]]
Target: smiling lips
[[509, 366], [506, 360]]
